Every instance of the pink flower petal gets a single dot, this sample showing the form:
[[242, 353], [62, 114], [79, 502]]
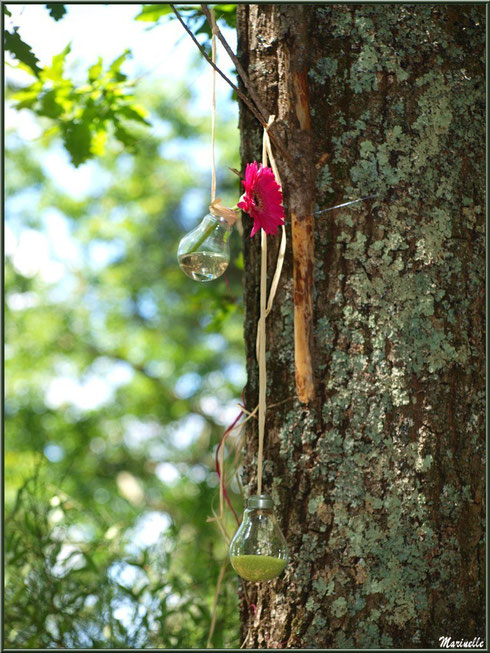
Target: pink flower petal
[[262, 199]]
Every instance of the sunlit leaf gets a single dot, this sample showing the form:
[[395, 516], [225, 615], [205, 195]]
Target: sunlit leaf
[[95, 71], [99, 141], [133, 112], [54, 72], [118, 62], [26, 98], [152, 13]]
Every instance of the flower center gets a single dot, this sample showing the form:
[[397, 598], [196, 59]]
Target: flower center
[[258, 201]]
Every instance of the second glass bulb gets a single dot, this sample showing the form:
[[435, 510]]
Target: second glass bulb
[[258, 550]]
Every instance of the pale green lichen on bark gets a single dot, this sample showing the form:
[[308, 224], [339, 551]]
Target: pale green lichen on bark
[[406, 274], [324, 68]]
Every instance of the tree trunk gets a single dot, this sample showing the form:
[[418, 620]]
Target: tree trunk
[[378, 480]]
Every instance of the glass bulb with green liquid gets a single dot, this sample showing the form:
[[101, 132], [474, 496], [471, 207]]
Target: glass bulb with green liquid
[[204, 253], [258, 550]]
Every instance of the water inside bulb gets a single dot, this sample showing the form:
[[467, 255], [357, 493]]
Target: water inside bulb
[[203, 266], [258, 550], [204, 253]]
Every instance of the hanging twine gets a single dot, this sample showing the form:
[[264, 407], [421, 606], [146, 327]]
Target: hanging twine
[[213, 112], [261, 357], [215, 207]]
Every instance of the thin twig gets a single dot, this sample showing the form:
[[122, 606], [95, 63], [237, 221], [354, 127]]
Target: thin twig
[[215, 605], [278, 403], [339, 206], [228, 81]]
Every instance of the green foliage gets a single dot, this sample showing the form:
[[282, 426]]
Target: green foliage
[[226, 13], [56, 10], [68, 585], [20, 49], [78, 576], [191, 13], [83, 115], [153, 13]]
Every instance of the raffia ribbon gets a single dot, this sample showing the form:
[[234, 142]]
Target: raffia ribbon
[[266, 306], [213, 111]]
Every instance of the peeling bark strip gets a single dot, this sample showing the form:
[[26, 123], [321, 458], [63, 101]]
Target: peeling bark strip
[[301, 98], [302, 221], [303, 257]]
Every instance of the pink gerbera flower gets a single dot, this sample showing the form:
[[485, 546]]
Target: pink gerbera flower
[[262, 199]]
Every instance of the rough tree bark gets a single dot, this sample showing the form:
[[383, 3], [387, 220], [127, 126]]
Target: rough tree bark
[[378, 480]]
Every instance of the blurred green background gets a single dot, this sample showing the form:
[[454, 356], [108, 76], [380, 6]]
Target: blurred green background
[[121, 373]]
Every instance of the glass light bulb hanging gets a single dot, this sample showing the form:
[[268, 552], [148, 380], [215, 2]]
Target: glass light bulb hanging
[[258, 550], [204, 253]]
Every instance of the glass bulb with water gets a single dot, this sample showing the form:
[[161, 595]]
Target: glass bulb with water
[[258, 550], [204, 253]]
